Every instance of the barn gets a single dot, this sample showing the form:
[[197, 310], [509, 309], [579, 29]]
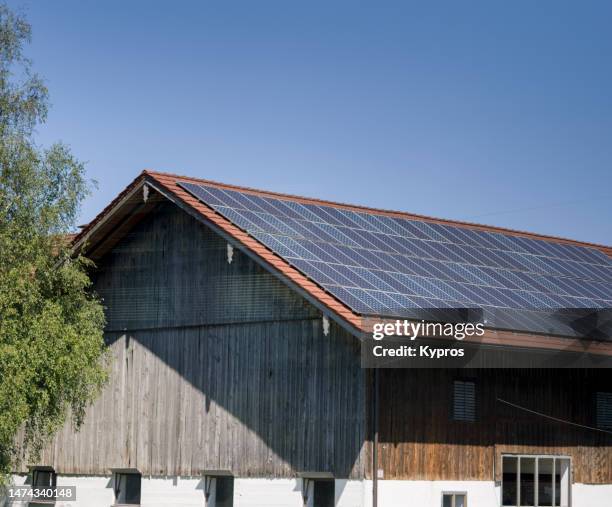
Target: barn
[[235, 319]]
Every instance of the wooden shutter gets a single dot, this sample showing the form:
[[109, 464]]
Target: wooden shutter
[[604, 410], [464, 401]]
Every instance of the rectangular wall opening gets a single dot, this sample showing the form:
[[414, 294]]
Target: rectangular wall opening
[[219, 490], [127, 488], [535, 481], [454, 499], [324, 493]]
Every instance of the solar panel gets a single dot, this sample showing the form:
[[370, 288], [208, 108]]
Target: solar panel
[[378, 264]]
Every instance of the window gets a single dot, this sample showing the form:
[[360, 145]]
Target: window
[[219, 490], [127, 488], [324, 492], [224, 492], [454, 499], [43, 478], [464, 401], [603, 402], [319, 489], [535, 481]]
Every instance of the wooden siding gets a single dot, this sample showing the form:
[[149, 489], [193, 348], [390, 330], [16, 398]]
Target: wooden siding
[[172, 271], [420, 441], [216, 366], [262, 400]]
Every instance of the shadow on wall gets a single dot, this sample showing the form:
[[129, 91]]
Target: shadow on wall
[[219, 366], [265, 399]]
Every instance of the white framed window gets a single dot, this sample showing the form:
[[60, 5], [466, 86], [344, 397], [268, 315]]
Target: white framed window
[[454, 499], [535, 481]]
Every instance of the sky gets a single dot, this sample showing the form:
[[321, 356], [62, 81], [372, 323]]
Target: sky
[[491, 112]]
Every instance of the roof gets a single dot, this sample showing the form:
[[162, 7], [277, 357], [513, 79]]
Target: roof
[[358, 261]]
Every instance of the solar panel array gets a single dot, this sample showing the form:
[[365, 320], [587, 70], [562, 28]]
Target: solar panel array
[[381, 265]]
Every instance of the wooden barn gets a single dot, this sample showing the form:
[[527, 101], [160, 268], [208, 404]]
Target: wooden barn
[[235, 320]]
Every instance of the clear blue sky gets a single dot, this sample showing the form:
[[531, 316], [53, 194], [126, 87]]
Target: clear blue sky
[[494, 112]]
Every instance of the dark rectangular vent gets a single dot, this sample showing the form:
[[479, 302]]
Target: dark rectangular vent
[[464, 401], [604, 410]]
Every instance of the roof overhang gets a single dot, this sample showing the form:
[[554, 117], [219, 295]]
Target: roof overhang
[[217, 473], [121, 215]]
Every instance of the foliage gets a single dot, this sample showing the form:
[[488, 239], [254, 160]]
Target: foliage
[[52, 353]]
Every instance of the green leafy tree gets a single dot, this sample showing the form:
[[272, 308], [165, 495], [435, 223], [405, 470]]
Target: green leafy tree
[[52, 353]]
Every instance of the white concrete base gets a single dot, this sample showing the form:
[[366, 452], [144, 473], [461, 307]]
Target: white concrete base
[[429, 493], [479, 493], [189, 492], [591, 495], [288, 493], [268, 493], [97, 491]]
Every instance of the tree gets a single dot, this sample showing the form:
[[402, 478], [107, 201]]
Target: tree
[[52, 352]]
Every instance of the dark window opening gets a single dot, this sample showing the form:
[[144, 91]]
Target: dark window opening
[[224, 492], [509, 480], [127, 488], [545, 482], [43, 478], [527, 482], [454, 500], [324, 493], [464, 401]]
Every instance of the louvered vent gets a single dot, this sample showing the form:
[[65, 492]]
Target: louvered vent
[[464, 401], [604, 410]]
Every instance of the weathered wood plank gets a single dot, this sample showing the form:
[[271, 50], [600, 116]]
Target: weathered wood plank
[[419, 439]]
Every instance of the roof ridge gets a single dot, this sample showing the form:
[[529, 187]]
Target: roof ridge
[[400, 214]]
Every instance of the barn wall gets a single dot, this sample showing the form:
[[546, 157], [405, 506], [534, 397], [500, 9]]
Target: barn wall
[[216, 366], [172, 271], [419, 441]]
